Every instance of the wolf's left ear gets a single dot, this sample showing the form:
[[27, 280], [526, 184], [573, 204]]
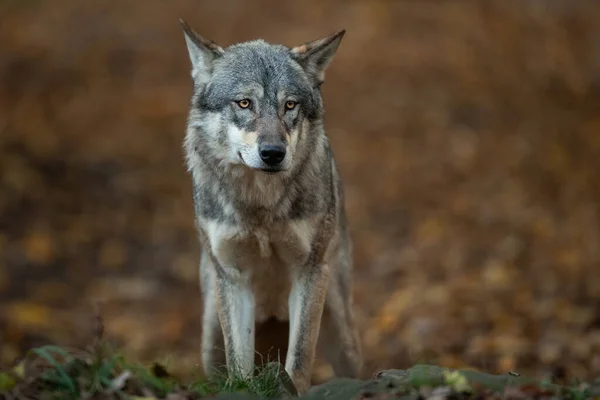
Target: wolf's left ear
[[315, 56], [203, 53]]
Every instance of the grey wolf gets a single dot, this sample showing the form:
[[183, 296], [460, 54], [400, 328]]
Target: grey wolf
[[269, 206]]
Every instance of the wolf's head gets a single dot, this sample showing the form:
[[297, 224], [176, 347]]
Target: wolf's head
[[256, 103]]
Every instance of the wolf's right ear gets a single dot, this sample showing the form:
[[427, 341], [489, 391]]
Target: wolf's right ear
[[203, 53]]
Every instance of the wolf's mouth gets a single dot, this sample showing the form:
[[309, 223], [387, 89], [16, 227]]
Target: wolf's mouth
[[269, 171]]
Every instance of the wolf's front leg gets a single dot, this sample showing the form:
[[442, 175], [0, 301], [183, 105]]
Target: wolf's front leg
[[307, 297], [235, 306]]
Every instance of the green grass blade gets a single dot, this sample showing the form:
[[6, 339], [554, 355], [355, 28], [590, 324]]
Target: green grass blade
[[64, 377]]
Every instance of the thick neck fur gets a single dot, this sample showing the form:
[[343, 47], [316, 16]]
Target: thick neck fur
[[237, 193]]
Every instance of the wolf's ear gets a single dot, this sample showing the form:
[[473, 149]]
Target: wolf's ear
[[315, 56], [203, 53]]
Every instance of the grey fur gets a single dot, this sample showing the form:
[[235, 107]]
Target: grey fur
[[275, 240]]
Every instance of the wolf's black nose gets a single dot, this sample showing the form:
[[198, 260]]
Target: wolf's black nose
[[272, 154]]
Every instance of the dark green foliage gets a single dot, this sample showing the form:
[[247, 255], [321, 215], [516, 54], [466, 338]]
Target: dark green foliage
[[51, 372]]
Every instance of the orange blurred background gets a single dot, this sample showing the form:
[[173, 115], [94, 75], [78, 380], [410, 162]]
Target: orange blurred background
[[468, 135]]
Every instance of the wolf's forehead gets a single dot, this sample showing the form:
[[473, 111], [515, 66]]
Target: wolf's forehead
[[257, 63]]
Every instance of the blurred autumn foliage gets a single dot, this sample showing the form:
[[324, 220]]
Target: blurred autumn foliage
[[468, 134]]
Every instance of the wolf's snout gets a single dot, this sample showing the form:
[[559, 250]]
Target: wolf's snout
[[272, 154]]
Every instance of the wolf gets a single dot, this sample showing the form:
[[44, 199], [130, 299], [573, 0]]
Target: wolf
[[269, 206]]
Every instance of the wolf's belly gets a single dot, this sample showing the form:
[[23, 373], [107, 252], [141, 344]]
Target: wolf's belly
[[271, 286]]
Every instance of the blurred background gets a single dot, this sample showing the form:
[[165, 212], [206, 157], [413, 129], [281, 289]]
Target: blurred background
[[468, 135]]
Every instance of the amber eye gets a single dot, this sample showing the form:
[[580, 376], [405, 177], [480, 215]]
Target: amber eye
[[244, 103], [290, 105]]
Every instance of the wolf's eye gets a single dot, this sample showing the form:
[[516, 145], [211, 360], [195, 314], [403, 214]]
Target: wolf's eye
[[244, 103], [290, 105]]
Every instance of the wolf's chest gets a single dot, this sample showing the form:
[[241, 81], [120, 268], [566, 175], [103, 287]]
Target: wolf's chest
[[250, 249], [267, 256]]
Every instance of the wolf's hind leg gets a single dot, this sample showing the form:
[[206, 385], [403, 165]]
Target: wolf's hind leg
[[339, 340]]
